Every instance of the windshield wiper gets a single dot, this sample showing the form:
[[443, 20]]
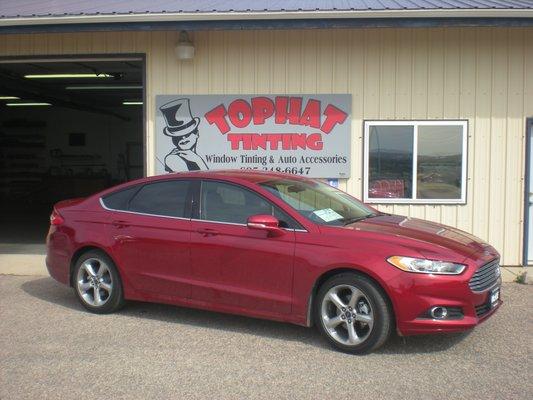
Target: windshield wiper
[[357, 219]]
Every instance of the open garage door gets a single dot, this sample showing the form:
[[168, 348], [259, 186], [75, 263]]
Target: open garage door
[[68, 128]]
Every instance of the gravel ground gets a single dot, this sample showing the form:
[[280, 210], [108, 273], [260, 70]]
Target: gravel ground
[[51, 348]]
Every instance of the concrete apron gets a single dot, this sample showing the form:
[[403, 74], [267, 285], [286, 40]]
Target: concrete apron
[[34, 264], [23, 264]]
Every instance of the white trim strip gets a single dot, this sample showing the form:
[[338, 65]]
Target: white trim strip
[[270, 15]]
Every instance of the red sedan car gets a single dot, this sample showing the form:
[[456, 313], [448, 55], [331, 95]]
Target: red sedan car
[[272, 246]]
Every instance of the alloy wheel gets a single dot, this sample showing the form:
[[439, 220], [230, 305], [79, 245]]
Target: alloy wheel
[[94, 282], [347, 315]]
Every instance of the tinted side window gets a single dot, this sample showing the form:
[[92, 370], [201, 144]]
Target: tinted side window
[[223, 202], [168, 198], [119, 200], [285, 221]]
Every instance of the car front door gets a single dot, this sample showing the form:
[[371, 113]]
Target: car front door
[[152, 238], [235, 266]]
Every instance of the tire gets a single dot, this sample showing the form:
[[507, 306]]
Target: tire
[[363, 328], [94, 272]]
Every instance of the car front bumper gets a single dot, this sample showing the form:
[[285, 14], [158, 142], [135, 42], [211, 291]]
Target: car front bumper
[[420, 326], [415, 294]]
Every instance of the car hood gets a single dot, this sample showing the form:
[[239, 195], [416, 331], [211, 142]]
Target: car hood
[[433, 238]]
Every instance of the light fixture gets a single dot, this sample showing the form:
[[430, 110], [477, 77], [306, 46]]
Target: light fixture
[[66, 76], [132, 103], [104, 87], [9, 98], [27, 104], [184, 48]]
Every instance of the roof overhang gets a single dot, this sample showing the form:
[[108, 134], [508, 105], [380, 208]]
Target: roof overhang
[[270, 15], [269, 20]]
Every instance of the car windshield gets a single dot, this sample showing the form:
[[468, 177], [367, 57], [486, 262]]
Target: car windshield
[[321, 203]]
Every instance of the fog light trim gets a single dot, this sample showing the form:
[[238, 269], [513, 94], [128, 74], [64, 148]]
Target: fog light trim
[[452, 313], [438, 312]]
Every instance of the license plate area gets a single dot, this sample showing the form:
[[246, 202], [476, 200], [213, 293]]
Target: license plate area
[[494, 297]]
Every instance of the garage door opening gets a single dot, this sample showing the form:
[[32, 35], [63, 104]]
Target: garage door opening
[[68, 128]]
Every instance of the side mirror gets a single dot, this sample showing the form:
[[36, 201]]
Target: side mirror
[[265, 222]]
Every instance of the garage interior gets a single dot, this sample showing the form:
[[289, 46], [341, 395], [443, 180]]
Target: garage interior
[[68, 128]]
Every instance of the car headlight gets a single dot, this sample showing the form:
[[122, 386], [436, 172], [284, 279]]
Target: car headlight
[[424, 266]]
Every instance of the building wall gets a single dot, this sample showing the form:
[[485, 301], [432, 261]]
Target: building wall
[[484, 75]]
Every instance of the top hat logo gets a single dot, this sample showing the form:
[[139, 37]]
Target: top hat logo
[[178, 117]]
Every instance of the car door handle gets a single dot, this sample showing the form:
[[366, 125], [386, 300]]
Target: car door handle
[[120, 224], [207, 231]]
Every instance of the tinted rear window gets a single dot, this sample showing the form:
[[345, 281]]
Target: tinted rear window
[[168, 198], [119, 200]]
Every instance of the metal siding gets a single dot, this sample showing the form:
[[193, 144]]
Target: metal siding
[[480, 163], [520, 104], [484, 75], [435, 97], [450, 97], [498, 137], [513, 180]]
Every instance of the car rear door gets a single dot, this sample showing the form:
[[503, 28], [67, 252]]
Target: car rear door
[[232, 265], [152, 238]]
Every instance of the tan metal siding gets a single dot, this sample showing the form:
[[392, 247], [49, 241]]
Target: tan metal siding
[[484, 75]]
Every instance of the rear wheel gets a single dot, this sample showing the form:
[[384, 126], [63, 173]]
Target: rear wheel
[[352, 313], [97, 283]]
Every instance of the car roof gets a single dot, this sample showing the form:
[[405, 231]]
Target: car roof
[[231, 175], [251, 176]]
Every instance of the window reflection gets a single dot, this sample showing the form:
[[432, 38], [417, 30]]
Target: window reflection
[[439, 162], [390, 162]]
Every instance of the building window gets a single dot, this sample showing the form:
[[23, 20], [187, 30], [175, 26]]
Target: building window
[[415, 162]]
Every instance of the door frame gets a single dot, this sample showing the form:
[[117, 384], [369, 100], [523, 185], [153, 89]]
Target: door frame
[[527, 182], [51, 58]]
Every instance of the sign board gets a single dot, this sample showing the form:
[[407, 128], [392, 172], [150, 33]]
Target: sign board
[[301, 134]]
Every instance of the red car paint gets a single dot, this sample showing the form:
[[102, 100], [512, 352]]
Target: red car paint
[[232, 268]]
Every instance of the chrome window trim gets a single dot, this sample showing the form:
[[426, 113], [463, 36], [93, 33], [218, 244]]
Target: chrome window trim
[[140, 213], [217, 222], [186, 219], [238, 224]]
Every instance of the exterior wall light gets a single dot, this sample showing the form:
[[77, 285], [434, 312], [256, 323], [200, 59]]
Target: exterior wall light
[[184, 48]]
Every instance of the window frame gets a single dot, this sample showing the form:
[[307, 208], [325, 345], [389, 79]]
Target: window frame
[[416, 124]]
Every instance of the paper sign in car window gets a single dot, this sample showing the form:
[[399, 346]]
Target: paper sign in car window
[[327, 215]]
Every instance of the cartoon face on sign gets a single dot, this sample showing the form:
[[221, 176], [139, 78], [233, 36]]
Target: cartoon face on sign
[[182, 127]]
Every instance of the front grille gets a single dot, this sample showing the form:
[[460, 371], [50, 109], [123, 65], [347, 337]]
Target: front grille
[[455, 313], [486, 276], [482, 309]]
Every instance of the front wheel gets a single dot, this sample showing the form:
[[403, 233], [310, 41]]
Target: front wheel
[[352, 313], [97, 283]]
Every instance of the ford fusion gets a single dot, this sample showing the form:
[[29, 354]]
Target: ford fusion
[[273, 246]]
